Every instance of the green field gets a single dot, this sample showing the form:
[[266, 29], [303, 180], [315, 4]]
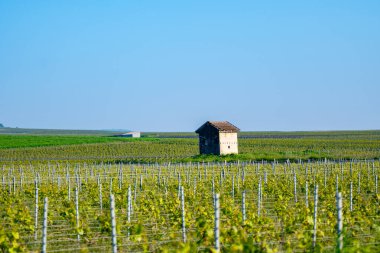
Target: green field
[[28, 141], [183, 147], [31, 131]]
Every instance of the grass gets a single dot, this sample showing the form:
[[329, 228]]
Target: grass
[[265, 156], [31, 131], [28, 141]]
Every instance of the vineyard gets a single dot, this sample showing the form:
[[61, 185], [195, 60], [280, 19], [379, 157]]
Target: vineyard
[[148, 150], [246, 206]]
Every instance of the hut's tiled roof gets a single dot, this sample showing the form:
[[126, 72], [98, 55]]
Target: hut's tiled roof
[[222, 126]]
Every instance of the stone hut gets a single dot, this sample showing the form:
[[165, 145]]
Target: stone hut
[[218, 137]]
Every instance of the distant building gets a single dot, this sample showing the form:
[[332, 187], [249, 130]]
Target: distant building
[[218, 137], [129, 135]]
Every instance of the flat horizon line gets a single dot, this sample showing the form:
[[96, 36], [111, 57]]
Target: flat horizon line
[[165, 131]]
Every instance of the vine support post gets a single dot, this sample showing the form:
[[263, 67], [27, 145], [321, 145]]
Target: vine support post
[[183, 215], [243, 206], [59, 182], [113, 223], [216, 222], [337, 185], [315, 215], [111, 184], [166, 186], [306, 195], [351, 169], [100, 198], [129, 204], [14, 184], [10, 186], [261, 192], [120, 177], [21, 181], [339, 207], [265, 178], [221, 178], [233, 187], [44, 226], [259, 199], [36, 211], [69, 190], [373, 167], [213, 191], [351, 196], [295, 187], [195, 185], [77, 212], [135, 189]]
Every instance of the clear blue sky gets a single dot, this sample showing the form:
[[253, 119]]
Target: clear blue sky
[[171, 65]]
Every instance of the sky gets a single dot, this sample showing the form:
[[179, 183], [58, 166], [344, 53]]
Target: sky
[[172, 65]]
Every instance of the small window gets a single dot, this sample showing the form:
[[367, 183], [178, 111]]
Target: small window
[[228, 146]]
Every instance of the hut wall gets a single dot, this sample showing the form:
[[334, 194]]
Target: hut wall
[[209, 141], [228, 143]]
